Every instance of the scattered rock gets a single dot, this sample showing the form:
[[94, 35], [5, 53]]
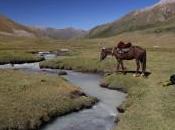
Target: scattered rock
[[107, 74], [77, 93], [172, 79], [104, 84], [121, 89], [62, 73], [117, 119], [120, 109], [43, 80]]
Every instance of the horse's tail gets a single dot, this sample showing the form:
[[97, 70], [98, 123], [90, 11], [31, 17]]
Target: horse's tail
[[144, 62]]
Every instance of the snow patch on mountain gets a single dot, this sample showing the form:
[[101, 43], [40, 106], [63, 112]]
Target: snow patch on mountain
[[166, 1]]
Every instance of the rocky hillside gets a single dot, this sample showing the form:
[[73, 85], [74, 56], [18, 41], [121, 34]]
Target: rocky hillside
[[12, 28], [160, 16]]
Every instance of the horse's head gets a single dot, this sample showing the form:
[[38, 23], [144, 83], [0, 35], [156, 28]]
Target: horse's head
[[103, 54]]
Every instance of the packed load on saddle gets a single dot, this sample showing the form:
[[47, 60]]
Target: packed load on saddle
[[123, 48]]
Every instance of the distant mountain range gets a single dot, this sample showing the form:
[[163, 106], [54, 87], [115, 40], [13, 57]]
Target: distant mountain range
[[160, 16], [12, 28], [67, 33]]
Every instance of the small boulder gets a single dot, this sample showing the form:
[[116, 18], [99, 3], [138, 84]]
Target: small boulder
[[77, 93], [62, 73], [104, 84], [43, 80], [172, 79], [117, 119], [120, 109]]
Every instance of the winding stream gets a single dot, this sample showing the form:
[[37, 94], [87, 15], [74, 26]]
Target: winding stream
[[99, 117]]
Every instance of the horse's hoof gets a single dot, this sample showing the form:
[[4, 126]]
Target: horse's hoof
[[143, 75], [135, 75]]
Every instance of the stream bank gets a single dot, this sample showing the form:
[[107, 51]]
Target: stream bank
[[100, 117]]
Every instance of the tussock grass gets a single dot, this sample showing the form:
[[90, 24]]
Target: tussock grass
[[29, 99], [85, 64], [18, 57], [150, 105]]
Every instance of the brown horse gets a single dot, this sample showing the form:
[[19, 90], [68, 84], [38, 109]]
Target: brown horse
[[110, 51], [134, 52]]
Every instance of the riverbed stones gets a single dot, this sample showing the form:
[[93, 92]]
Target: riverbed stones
[[120, 109], [77, 93], [62, 72], [117, 119], [104, 84]]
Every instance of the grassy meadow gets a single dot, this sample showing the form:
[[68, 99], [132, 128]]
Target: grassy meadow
[[150, 104], [28, 100], [17, 57]]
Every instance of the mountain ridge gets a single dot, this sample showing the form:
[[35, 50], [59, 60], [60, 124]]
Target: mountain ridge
[[12, 28], [156, 15]]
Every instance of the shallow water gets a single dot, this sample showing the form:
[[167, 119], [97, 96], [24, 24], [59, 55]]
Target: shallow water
[[99, 117]]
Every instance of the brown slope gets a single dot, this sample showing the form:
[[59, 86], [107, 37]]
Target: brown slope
[[157, 15]]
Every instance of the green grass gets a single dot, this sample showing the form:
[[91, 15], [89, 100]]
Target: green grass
[[145, 104], [28, 44], [149, 105], [18, 57], [29, 99], [85, 64]]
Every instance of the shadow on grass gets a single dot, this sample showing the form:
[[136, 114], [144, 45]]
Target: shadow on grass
[[132, 72]]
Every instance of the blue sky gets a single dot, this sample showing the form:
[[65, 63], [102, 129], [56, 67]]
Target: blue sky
[[69, 13]]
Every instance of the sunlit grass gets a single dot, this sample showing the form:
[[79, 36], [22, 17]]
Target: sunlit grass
[[18, 57], [149, 105], [29, 99]]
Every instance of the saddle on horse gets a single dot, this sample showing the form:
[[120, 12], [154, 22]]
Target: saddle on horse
[[124, 48]]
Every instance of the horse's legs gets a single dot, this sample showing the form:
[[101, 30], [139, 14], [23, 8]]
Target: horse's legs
[[138, 68], [143, 62], [143, 69], [118, 65], [123, 68]]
